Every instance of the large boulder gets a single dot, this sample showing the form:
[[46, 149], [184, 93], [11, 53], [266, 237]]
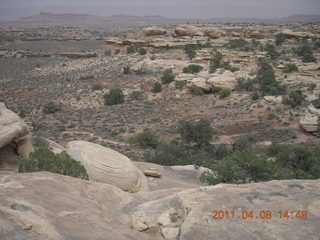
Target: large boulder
[[154, 31], [225, 80], [188, 30], [12, 127], [288, 33], [107, 166], [214, 33]]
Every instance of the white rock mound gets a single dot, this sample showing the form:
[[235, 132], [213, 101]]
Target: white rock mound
[[12, 127], [108, 166]]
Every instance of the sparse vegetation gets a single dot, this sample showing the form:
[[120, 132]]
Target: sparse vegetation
[[225, 92], [157, 87], [280, 39], [142, 51], [316, 102], [216, 62], [146, 139], [115, 96], [51, 107], [167, 76], [289, 68], [42, 159], [193, 68], [294, 98]]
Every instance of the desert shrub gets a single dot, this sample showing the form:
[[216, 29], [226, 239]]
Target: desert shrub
[[243, 142], [51, 107], [233, 69], [241, 167], [192, 68], [199, 133], [131, 49], [225, 92], [316, 102], [153, 57], [126, 70], [289, 68], [216, 61], [174, 153], [255, 96], [245, 84], [306, 53], [272, 116], [136, 95], [298, 162], [115, 96], [42, 159], [179, 84], [267, 80], [87, 77], [294, 98], [280, 38], [271, 50], [97, 86], [142, 51], [167, 76], [157, 87], [146, 139], [236, 43], [190, 50], [197, 91]]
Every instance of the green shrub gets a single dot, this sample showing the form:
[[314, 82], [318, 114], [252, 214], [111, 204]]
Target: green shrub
[[42, 159], [280, 38], [245, 84], [241, 167], [197, 91], [193, 68], [174, 153], [51, 107], [306, 53], [272, 116], [225, 92], [243, 142], [142, 51], [115, 96], [137, 95], [97, 86], [190, 50], [267, 80], [167, 76], [234, 69], [131, 49], [289, 68], [255, 96], [294, 98], [316, 102], [126, 70], [271, 50], [215, 63], [157, 87], [237, 43], [199, 133], [299, 162], [179, 84], [146, 139]]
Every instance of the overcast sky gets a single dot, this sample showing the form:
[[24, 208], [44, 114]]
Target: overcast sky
[[13, 9]]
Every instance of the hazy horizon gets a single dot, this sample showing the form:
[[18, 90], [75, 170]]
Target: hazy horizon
[[14, 9]]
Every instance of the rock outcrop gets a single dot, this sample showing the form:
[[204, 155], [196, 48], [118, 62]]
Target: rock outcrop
[[79, 209], [107, 166], [225, 80], [309, 121], [154, 31], [12, 127], [214, 33], [188, 30]]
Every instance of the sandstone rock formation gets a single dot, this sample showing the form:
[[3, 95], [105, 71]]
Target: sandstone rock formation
[[309, 121], [288, 33], [214, 33], [225, 80], [79, 209], [107, 166], [154, 31], [188, 30], [252, 33], [12, 127]]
